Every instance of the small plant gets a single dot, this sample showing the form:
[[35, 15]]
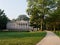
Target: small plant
[[58, 33]]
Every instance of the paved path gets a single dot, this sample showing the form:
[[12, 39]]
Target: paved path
[[50, 39]]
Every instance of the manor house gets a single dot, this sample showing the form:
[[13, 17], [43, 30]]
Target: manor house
[[19, 26]]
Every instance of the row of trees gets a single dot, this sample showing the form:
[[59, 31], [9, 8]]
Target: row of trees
[[3, 19], [44, 13]]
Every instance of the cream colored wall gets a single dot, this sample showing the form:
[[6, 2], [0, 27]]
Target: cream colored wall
[[14, 25]]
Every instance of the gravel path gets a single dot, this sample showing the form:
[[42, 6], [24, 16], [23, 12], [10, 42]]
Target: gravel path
[[50, 39]]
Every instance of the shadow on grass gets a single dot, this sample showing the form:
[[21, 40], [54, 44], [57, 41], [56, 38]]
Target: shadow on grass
[[21, 34]]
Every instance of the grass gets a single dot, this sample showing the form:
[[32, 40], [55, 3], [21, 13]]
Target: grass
[[21, 38], [57, 33]]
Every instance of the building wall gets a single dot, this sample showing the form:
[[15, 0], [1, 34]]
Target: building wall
[[19, 26]]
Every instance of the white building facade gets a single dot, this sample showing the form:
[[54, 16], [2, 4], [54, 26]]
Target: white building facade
[[19, 26]]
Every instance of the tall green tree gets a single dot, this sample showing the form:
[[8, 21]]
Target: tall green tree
[[34, 19], [54, 17], [41, 8], [3, 19]]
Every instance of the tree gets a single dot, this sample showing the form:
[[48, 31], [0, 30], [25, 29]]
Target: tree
[[23, 17], [54, 17], [40, 8], [34, 20], [3, 19]]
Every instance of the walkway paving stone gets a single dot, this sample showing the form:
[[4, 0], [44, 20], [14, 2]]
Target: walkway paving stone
[[50, 39]]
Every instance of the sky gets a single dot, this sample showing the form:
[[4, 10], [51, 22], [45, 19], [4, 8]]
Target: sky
[[13, 8]]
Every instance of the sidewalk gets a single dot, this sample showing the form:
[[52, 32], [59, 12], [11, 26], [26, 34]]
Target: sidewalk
[[50, 39]]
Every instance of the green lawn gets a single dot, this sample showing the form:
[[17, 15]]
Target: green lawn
[[20, 38], [58, 33]]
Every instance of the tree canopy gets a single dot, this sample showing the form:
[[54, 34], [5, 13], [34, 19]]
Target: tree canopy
[[23, 17], [44, 12], [3, 19]]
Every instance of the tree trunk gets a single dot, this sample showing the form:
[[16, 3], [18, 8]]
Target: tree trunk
[[41, 25], [37, 29], [46, 26], [54, 28]]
